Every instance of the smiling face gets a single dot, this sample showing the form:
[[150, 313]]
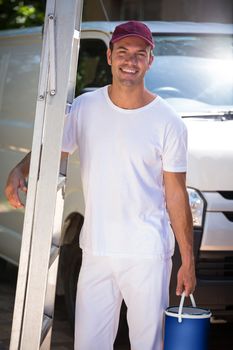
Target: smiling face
[[130, 58]]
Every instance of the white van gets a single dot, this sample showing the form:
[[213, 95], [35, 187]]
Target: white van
[[192, 70]]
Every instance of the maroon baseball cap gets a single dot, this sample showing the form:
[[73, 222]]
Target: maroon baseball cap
[[132, 28]]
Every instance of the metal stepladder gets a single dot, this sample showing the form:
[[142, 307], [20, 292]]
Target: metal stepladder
[[39, 257]]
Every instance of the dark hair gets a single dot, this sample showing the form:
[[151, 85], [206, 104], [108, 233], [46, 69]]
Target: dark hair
[[111, 46]]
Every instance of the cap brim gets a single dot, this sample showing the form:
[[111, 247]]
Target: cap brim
[[152, 45]]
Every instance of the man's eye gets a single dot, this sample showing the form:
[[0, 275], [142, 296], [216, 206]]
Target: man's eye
[[141, 54]]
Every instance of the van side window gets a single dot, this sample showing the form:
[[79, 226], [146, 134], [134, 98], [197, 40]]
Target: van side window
[[93, 70]]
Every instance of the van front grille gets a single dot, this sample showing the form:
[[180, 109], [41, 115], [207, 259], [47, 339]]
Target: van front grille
[[215, 267], [226, 194], [229, 215]]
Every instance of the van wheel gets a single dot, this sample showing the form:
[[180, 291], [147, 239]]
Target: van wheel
[[3, 265], [70, 262], [71, 257]]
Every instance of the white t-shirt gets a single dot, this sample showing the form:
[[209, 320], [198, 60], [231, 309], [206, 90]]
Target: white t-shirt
[[123, 154]]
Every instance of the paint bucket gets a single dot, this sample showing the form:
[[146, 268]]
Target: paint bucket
[[186, 328]]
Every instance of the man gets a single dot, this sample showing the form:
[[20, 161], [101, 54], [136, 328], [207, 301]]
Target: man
[[132, 148]]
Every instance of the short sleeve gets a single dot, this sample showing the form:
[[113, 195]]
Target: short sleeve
[[175, 148], [70, 132]]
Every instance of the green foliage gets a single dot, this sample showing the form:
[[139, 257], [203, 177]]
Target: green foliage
[[21, 14]]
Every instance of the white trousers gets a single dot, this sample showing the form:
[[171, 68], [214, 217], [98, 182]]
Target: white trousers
[[103, 283]]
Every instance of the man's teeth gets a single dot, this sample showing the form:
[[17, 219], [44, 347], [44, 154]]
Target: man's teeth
[[132, 71]]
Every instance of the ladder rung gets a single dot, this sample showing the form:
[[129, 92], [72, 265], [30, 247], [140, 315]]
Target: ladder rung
[[61, 181], [76, 34], [46, 326], [68, 107], [53, 254]]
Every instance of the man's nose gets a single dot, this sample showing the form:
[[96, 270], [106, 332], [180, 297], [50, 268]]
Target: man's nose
[[132, 58]]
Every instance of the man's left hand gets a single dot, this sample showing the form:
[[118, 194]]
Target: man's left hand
[[186, 280]]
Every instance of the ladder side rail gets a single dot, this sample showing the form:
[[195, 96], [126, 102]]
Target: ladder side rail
[[46, 343], [58, 219], [75, 53], [51, 289], [47, 183], [73, 71], [54, 256], [79, 11], [19, 302], [53, 266], [30, 202]]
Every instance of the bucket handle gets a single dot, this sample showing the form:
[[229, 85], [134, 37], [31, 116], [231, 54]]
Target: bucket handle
[[182, 304]]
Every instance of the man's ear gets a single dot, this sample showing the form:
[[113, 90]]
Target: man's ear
[[109, 56], [151, 59]]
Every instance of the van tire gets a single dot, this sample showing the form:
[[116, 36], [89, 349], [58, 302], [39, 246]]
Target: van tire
[[70, 263], [3, 266]]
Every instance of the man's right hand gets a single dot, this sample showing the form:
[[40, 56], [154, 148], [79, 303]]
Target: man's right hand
[[16, 181]]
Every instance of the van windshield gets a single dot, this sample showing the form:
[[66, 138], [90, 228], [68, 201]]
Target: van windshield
[[193, 71]]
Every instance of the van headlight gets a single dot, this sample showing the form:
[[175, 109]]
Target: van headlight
[[197, 205]]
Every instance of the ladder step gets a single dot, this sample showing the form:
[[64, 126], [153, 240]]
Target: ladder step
[[76, 34], [53, 254], [46, 326], [61, 181], [51, 284]]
